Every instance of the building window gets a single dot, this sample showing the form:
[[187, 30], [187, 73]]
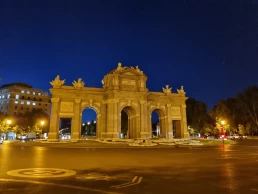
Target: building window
[[22, 102], [1, 108], [28, 92], [22, 97], [21, 108], [39, 94], [34, 103], [8, 96], [17, 96], [3, 96], [28, 108], [15, 107], [22, 91], [28, 103], [45, 104], [39, 104], [0, 97], [33, 93], [28, 98], [40, 100], [16, 102], [34, 99]]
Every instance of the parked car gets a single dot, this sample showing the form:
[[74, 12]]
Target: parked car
[[243, 137], [1, 140]]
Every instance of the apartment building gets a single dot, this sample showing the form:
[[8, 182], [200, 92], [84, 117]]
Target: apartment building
[[17, 98]]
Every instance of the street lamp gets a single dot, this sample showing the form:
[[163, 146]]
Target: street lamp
[[42, 123], [9, 122]]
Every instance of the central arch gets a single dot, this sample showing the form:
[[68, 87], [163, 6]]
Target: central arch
[[128, 123], [89, 127]]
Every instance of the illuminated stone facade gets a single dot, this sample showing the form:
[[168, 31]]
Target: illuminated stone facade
[[124, 89]]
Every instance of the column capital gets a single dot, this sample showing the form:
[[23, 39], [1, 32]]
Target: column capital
[[78, 100], [55, 100], [142, 101], [183, 106]]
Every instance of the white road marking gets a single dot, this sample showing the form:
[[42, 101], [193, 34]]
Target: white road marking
[[128, 184], [41, 173], [58, 185], [97, 176]]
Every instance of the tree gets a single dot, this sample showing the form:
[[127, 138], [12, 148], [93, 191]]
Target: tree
[[248, 104], [197, 116]]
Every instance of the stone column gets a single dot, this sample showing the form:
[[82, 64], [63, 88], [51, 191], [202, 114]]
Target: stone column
[[76, 125], [169, 126], [111, 118], [184, 132], [54, 120]]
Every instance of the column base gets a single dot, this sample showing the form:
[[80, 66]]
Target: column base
[[170, 136], [110, 135], [186, 135], [145, 135], [52, 136], [75, 136]]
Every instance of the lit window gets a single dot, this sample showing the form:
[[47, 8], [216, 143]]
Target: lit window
[[28, 103], [22, 91], [0, 97], [88, 123], [28, 92], [17, 96], [22, 102], [16, 102], [34, 103], [39, 94], [8, 96], [3, 96], [34, 93]]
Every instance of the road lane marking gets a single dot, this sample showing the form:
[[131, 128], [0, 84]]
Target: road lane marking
[[128, 184], [97, 176], [41, 173], [58, 185]]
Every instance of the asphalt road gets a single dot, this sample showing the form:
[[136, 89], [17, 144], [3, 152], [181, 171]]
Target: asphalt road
[[231, 169]]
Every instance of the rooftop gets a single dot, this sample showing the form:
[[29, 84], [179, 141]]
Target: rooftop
[[16, 84]]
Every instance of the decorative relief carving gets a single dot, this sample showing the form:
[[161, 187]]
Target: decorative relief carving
[[120, 68], [181, 92], [128, 82], [175, 111], [57, 83], [167, 90], [66, 107], [54, 100], [168, 105], [79, 83], [128, 102], [91, 101]]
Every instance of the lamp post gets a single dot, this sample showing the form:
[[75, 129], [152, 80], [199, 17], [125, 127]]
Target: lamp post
[[42, 124], [223, 134]]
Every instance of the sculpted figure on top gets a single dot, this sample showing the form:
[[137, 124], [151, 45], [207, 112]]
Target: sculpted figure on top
[[167, 90], [120, 68], [57, 83], [79, 83], [181, 92]]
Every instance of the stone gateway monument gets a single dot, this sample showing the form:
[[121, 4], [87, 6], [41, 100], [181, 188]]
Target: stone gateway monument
[[124, 89]]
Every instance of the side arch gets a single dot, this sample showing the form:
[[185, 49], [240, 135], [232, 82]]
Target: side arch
[[161, 126]]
